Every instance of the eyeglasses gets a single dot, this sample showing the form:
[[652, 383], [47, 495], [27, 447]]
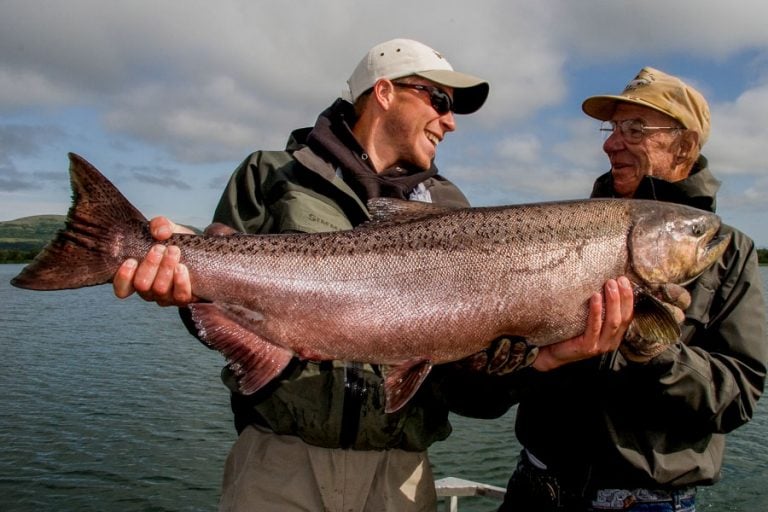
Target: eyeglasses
[[633, 130], [441, 102]]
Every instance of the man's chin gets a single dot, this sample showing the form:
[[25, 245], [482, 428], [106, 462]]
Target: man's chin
[[624, 186]]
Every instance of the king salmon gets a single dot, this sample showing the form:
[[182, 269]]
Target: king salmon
[[416, 286]]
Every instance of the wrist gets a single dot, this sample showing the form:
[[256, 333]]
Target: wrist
[[545, 361]]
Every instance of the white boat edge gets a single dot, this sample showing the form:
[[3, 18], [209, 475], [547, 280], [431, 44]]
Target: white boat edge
[[451, 488]]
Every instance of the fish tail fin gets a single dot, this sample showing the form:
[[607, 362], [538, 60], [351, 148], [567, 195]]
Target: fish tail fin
[[101, 227]]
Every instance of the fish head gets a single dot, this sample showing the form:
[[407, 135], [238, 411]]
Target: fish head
[[673, 243]]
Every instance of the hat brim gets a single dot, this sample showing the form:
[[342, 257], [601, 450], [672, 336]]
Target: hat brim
[[603, 107], [469, 92]]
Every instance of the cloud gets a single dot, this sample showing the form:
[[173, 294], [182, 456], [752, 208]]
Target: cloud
[[25, 140], [159, 74], [21, 88], [740, 132], [12, 180], [162, 177], [600, 29], [755, 195], [208, 121]]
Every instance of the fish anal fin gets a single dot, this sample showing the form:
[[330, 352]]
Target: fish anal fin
[[402, 381], [229, 329], [653, 327]]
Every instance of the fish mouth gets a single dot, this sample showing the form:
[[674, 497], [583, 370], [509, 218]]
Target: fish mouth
[[710, 250], [717, 244]]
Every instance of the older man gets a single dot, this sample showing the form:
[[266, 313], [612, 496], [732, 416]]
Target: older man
[[628, 431]]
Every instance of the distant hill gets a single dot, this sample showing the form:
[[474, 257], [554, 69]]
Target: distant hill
[[29, 232], [21, 239]]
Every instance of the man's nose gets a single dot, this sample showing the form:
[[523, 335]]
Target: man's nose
[[448, 121], [613, 142]]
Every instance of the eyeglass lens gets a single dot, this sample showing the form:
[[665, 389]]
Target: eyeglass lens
[[441, 102], [438, 98], [632, 130]]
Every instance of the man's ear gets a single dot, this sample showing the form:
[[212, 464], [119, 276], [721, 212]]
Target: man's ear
[[383, 93], [688, 148]]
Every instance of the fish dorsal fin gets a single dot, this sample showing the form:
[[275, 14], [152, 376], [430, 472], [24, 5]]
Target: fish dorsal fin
[[402, 381], [229, 329], [653, 327], [390, 210]]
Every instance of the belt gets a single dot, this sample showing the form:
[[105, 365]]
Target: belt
[[621, 499], [533, 488]]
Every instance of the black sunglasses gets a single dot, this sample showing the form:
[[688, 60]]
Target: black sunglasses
[[441, 102]]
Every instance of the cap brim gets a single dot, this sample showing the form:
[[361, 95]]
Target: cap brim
[[603, 107], [469, 92]]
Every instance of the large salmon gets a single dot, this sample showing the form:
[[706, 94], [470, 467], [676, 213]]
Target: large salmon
[[416, 287]]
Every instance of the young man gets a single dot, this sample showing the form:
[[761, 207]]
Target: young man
[[629, 431], [318, 438]]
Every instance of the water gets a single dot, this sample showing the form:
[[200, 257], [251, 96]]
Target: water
[[109, 405]]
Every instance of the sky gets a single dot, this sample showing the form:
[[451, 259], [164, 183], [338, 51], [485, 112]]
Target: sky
[[166, 98]]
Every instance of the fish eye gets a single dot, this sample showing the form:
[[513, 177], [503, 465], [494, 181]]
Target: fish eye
[[698, 230]]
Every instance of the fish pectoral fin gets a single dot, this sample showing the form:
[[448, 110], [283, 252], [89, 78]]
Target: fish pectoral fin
[[402, 381], [653, 327], [228, 329]]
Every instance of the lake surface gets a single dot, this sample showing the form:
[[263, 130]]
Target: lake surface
[[109, 405]]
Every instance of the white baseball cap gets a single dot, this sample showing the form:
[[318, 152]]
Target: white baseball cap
[[398, 58]]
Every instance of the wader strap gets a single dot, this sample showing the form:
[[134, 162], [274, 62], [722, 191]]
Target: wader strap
[[354, 393]]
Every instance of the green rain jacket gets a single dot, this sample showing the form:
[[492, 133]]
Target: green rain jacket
[[610, 423], [312, 186]]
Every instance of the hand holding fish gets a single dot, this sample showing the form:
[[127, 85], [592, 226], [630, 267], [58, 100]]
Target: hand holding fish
[[159, 277], [602, 334], [675, 298]]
